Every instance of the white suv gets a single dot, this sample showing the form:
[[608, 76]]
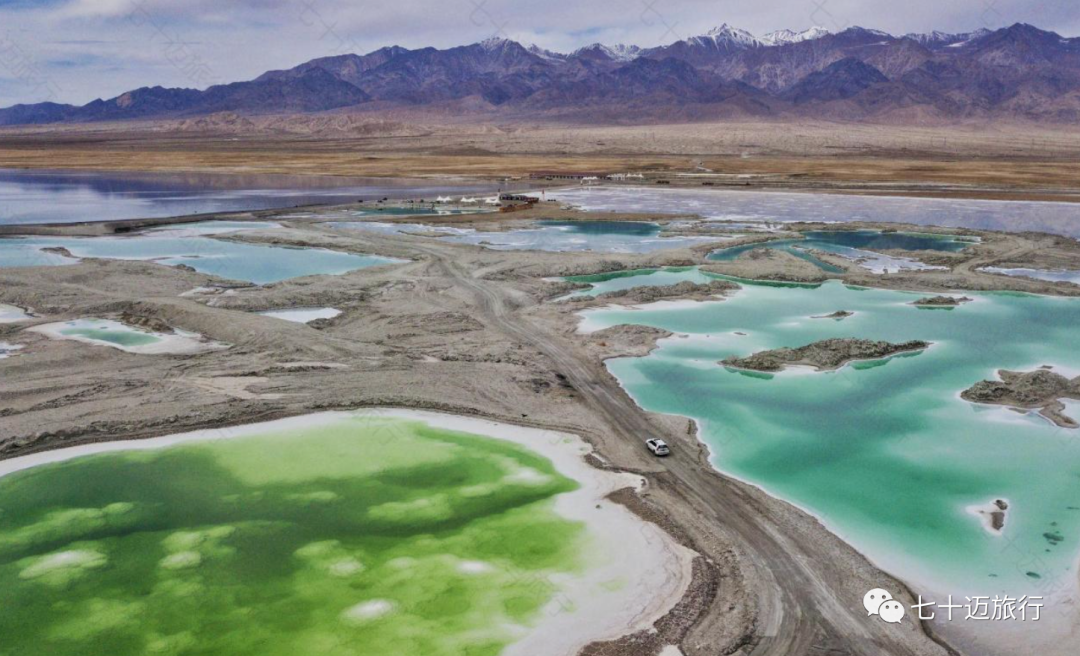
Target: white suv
[[658, 447]]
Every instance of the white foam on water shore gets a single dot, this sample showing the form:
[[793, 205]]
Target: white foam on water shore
[[303, 315], [7, 349], [12, 314], [1038, 274]]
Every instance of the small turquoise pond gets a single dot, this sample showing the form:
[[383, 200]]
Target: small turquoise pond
[[227, 259]]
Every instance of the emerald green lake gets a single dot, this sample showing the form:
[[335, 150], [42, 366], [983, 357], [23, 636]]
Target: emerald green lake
[[885, 453], [354, 536]]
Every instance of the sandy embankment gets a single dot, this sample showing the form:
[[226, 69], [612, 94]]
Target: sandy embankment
[[1009, 161], [656, 570]]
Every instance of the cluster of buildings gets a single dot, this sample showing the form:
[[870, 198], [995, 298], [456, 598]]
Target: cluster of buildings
[[586, 177], [505, 202]]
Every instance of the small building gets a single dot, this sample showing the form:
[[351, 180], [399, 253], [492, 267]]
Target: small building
[[566, 175], [518, 198]]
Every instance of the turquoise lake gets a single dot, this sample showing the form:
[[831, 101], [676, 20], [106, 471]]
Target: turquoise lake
[[110, 332], [603, 283], [212, 227], [596, 236], [233, 260], [885, 453], [851, 244]]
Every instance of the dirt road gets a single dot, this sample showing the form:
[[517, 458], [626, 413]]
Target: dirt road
[[797, 582]]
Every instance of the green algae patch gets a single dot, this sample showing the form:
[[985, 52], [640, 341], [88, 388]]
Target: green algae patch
[[354, 536], [62, 567]]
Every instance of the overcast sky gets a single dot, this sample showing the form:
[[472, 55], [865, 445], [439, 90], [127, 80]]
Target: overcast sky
[[77, 50]]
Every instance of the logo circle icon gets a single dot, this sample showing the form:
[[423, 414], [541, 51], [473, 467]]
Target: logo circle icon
[[872, 600], [892, 611]]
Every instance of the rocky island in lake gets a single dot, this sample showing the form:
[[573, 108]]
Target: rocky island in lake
[[1041, 389], [992, 515], [941, 301], [682, 291], [769, 264], [826, 355], [838, 315]]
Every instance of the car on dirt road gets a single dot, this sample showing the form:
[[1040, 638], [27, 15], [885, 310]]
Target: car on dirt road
[[658, 447]]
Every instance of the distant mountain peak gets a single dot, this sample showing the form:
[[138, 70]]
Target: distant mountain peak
[[723, 28], [783, 37], [544, 53], [865, 30], [840, 80], [726, 36], [622, 52], [618, 52], [939, 39], [394, 50], [495, 42]]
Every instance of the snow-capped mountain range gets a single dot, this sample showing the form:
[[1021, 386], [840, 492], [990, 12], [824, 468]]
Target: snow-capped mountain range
[[1017, 72], [727, 36], [617, 52]]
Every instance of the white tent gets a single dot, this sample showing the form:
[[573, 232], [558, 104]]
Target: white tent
[[444, 199], [492, 200]]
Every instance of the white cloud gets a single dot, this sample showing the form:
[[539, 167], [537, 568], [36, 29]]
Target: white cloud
[[94, 8]]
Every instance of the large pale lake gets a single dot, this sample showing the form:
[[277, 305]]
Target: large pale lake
[[68, 196], [850, 244], [564, 236], [1058, 218], [599, 236]]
